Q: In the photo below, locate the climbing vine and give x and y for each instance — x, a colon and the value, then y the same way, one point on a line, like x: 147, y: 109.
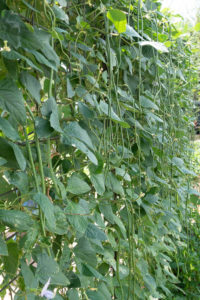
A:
x: 96, y: 117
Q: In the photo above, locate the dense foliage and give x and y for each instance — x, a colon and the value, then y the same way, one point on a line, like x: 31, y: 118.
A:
x: 96, y: 120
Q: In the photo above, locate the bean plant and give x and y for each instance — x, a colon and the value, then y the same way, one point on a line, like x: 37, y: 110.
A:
x: 96, y: 184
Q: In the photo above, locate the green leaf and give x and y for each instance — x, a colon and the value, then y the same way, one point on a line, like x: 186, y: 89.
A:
x: 12, y: 260
x: 106, y: 209
x: 18, y: 179
x: 19, y: 156
x: 42, y: 127
x: 46, y: 206
x: 110, y: 113
x: 72, y: 294
x: 32, y: 85
x: 67, y: 140
x: 114, y: 185
x: 77, y: 218
x: 6, y: 151
x: 158, y: 46
x: 2, y: 161
x: 50, y: 110
x: 28, y: 241
x: 130, y: 32
x: 73, y: 129
x: 95, y: 295
x: 60, y: 14
x: 77, y: 186
x: 70, y: 91
x: 13, y: 55
x: 146, y: 103
x: 85, y: 252
x: 90, y: 271
x: 98, y: 181
x: 11, y: 100
x: 43, y: 60
x: 16, y: 32
x: 85, y: 111
x: 16, y: 219
x: 93, y: 232
x: 29, y: 278
x: 3, y: 247
x: 48, y: 268
x: 8, y: 129
x: 118, y: 18
x: 62, y: 225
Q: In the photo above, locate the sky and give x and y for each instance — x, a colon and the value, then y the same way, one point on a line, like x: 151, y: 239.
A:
x: 186, y: 8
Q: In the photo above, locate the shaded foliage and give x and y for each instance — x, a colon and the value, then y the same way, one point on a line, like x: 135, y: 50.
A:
x: 96, y: 104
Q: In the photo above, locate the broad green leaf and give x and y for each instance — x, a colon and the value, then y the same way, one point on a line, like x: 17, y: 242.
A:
x: 13, y: 55
x: 48, y: 268
x: 28, y: 241
x: 32, y: 85
x: 42, y: 127
x: 7, y: 152
x: 8, y: 129
x: 121, y: 225
x: 3, y: 247
x: 98, y: 181
x: 95, y: 295
x: 118, y: 18
x: 44, y: 40
x: 106, y: 209
x: 50, y: 110
x: 114, y: 185
x: 123, y: 174
x: 19, y: 156
x: 68, y: 140
x: 16, y: 219
x: 2, y: 161
x: 29, y: 278
x: 85, y: 111
x: 146, y: 103
x: 46, y: 206
x: 73, y: 129
x: 72, y: 294
x: 93, y: 232
x: 130, y: 32
x: 103, y: 288
x: 18, y: 179
x: 90, y: 271
x: 70, y: 91
x: 61, y: 226
x: 85, y: 252
x: 158, y: 46
x: 60, y: 14
x: 11, y: 100
x: 12, y: 260
x: 80, y: 57
x: 77, y: 186
x: 43, y: 60
x: 110, y: 113
x: 78, y: 217
x: 16, y: 32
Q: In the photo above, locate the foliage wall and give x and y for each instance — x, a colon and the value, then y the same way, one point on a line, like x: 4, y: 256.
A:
x: 96, y: 201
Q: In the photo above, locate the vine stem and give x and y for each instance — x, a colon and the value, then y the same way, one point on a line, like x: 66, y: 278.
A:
x: 31, y: 160
x: 51, y: 167
x: 41, y: 171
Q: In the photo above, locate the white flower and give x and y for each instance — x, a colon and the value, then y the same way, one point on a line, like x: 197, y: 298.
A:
x: 46, y: 293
